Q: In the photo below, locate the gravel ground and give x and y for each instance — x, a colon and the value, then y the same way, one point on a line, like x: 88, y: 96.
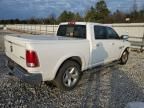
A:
x: 112, y: 86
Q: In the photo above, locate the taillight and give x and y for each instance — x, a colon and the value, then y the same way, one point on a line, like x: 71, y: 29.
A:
x: 32, y: 59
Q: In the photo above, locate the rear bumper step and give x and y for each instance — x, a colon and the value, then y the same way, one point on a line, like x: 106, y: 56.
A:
x: 31, y: 78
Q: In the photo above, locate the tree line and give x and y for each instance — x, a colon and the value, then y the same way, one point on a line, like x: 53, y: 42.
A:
x: 98, y: 13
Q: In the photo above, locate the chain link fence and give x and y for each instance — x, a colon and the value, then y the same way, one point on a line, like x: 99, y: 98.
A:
x: 34, y: 29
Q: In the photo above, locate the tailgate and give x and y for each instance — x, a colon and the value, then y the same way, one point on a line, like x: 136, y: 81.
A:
x: 15, y: 49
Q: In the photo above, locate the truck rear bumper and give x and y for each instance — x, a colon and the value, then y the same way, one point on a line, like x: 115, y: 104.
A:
x: 19, y: 72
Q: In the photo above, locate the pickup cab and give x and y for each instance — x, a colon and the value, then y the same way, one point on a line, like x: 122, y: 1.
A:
x: 77, y: 46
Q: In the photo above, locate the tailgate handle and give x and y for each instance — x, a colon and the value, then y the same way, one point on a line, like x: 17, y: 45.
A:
x: 11, y: 48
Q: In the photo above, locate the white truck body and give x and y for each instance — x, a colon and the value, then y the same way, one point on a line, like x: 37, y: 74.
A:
x: 52, y: 51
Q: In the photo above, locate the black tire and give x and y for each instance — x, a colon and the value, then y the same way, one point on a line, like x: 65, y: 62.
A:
x: 124, y: 57
x: 68, y: 75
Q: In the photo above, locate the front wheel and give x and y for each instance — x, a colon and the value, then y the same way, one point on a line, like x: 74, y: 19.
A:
x: 68, y: 75
x: 124, y: 57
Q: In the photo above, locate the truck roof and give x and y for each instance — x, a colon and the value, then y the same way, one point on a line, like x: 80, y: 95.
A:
x: 85, y: 23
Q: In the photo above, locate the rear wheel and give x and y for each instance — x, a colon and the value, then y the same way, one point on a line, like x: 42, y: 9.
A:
x: 124, y: 57
x: 68, y: 75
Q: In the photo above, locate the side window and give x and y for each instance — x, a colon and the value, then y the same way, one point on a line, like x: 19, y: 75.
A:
x: 62, y: 30
x: 100, y: 32
x: 80, y: 31
x: 111, y: 34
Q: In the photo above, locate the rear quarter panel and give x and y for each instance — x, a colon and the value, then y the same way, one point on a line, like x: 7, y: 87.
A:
x: 53, y: 53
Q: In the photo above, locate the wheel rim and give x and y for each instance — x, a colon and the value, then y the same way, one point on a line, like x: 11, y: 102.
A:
x: 70, y: 76
x: 125, y: 57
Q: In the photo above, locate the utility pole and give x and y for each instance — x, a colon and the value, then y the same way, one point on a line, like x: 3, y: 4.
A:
x: 134, y: 10
x: 135, y: 6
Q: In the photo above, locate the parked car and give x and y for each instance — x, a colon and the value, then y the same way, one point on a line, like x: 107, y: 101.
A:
x: 62, y: 58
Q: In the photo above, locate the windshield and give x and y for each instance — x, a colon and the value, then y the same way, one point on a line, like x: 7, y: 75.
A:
x: 75, y: 31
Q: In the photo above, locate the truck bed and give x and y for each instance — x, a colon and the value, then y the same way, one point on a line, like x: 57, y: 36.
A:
x: 41, y: 37
x: 48, y: 48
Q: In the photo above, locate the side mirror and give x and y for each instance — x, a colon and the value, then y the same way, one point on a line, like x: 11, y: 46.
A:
x: 124, y: 37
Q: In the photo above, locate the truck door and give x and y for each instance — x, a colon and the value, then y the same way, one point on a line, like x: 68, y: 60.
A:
x: 116, y: 43
x: 101, y: 46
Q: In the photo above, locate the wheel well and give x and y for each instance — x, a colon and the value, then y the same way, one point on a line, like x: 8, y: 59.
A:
x: 74, y: 58
x: 127, y: 49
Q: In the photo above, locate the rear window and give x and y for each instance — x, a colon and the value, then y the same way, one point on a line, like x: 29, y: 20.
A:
x: 75, y: 31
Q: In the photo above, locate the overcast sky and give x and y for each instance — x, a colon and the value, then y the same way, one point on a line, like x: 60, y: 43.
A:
x: 42, y: 8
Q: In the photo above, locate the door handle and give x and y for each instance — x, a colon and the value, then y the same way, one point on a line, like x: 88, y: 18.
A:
x: 121, y: 47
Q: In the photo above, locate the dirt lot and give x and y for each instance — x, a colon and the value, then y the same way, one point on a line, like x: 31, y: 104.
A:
x: 111, y: 86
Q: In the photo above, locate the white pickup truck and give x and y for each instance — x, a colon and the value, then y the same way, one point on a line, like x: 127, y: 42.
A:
x: 76, y: 47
